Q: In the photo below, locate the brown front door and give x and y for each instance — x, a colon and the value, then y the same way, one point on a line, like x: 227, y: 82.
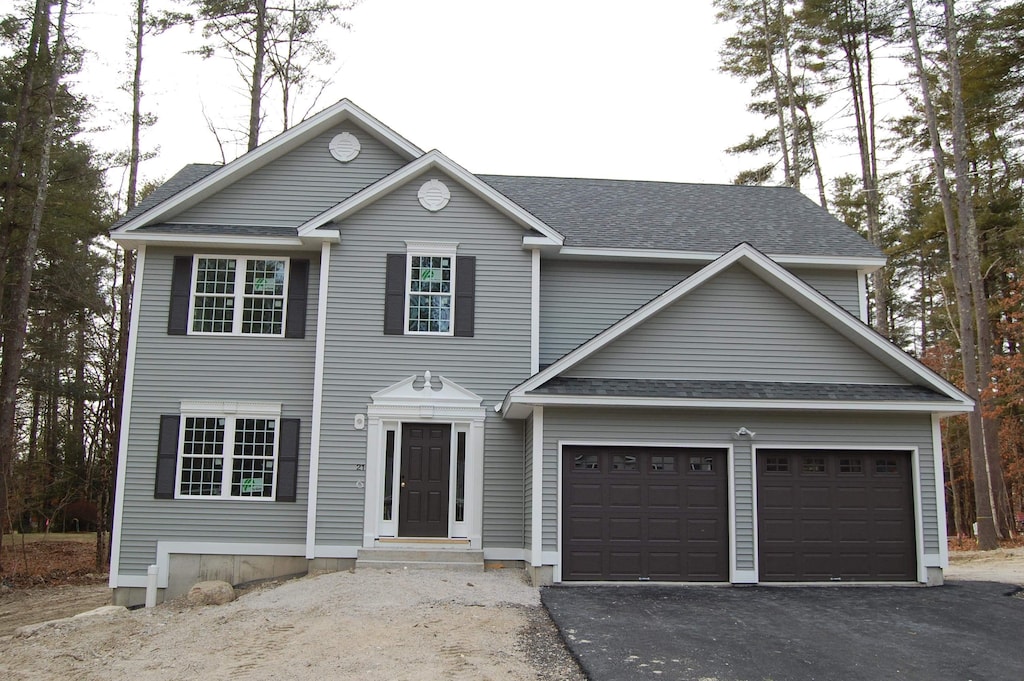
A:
x: 423, y: 500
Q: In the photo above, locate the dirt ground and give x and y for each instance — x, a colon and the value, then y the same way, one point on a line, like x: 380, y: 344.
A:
x: 370, y: 624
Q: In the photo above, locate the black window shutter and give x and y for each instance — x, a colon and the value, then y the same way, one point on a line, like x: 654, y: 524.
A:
x: 465, y: 295
x: 394, y: 295
x: 298, y: 285
x: 288, y: 460
x: 181, y: 287
x: 167, y: 457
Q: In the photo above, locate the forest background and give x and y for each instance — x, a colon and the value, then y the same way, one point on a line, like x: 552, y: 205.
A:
x: 924, y: 99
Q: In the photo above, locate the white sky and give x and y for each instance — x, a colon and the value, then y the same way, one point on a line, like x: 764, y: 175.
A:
x: 587, y: 88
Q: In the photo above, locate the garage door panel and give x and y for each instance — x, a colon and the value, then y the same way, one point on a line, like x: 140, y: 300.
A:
x: 664, y: 529
x: 659, y: 507
x: 845, y: 515
x: 585, y: 494
x: 703, y: 495
x: 664, y: 496
x: 624, y: 529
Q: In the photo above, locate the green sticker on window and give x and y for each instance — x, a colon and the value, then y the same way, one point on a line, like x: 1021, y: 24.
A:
x: 261, y: 284
x: 428, y: 275
x: 250, y: 485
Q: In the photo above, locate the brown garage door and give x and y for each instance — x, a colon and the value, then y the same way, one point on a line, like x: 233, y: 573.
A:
x: 657, y: 514
x: 835, y: 516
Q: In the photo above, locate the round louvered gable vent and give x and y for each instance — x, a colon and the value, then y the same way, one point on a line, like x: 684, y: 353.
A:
x: 434, y: 195
x: 345, y: 147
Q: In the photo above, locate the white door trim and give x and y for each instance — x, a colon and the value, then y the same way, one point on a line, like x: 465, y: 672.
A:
x: 426, y: 399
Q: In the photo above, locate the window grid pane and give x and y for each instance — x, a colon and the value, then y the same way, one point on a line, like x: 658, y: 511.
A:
x: 252, y: 473
x: 264, y: 316
x: 202, y: 461
x: 430, y: 294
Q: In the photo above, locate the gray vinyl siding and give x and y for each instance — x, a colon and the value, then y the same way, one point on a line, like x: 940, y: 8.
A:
x: 298, y: 186
x: 169, y: 369
x: 581, y: 298
x: 841, y: 286
x: 360, y: 360
x: 707, y: 428
x: 736, y: 327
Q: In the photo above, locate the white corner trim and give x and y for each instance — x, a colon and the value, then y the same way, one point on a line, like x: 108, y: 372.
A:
x: 862, y: 294
x: 431, y: 160
x: 537, y: 488
x: 534, y: 311
x: 122, y: 445
x: 318, y: 399
x: 940, y: 492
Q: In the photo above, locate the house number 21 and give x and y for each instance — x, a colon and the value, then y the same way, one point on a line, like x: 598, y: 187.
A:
x: 360, y: 466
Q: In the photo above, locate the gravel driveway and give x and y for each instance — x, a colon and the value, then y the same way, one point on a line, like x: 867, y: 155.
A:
x: 369, y: 624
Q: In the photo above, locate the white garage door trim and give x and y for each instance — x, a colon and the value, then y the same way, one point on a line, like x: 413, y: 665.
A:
x: 915, y: 473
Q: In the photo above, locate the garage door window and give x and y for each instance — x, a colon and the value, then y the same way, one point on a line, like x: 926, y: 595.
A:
x: 813, y: 464
x: 585, y: 462
x: 850, y: 466
x: 776, y: 464
x: 886, y: 466
x: 663, y: 464
x: 704, y: 464
x: 624, y: 463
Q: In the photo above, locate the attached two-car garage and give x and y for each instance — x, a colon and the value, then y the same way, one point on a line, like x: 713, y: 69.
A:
x: 662, y: 514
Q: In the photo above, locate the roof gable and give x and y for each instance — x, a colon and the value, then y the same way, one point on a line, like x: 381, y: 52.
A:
x: 196, y: 183
x: 735, y: 327
x: 785, y: 283
x: 432, y: 160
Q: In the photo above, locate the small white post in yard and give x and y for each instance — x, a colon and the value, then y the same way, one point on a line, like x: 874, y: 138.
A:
x: 151, y: 575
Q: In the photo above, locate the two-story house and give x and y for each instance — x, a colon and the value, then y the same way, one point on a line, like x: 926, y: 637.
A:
x: 347, y: 351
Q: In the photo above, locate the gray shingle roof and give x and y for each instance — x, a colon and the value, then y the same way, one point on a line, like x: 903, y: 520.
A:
x: 687, y: 217
x: 181, y: 180
x: 738, y: 390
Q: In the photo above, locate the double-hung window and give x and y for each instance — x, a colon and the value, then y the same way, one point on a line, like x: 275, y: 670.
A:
x: 238, y: 295
x: 430, y: 291
x: 430, y: 301
x: 228, y: 451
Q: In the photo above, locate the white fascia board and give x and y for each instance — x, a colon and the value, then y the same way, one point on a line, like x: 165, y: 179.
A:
x: 864, y: 264
x: 786, y: 283
x: 699, y: 403
x: 430, y: 161
x: 269, y: 151
x: 135, y: 239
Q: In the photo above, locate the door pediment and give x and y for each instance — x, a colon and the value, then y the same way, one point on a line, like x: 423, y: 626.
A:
x: 426, y: 391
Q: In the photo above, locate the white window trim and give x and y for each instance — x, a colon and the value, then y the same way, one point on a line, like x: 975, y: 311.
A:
x: 239, y: 295
x: 230, y: 412
x: 430, y: 249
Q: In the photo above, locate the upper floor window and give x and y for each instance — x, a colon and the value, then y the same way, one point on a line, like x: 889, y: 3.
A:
x: 238, y: 295
x: 430, y: 305
x: 430, y: 291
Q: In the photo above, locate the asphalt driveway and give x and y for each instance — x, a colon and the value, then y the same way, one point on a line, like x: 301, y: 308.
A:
x: 961, y: 631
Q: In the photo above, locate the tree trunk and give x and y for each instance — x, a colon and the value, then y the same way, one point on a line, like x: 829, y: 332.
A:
x: 987, y: 538
x: 776, y: 86
x: 813, y: 146
x: 794, y: 122
x: 8, y: 223
x: 17, y: 313
x: 970, y: 241
x: 256, y: 86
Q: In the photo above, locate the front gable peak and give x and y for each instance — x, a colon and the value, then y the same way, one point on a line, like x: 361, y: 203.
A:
x: 432, y: 160
x: 211, y: 181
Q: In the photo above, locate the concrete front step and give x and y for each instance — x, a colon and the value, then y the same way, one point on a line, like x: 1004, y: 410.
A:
x: 398, y: 558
